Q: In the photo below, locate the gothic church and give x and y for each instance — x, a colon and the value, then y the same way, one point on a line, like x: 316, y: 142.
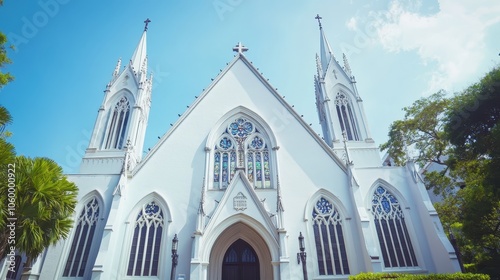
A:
x: 237, y: 192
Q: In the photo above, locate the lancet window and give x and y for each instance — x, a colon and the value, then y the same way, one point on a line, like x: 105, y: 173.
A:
x: 145, y: 250
x: 242, y: 146
x: 395, y: 243
x: 82, y: 240
x: 346, y: 117
x: 118, y: 124
x: 329, y: 239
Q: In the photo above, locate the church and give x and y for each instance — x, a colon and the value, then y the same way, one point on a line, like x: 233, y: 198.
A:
x: 241, y: 187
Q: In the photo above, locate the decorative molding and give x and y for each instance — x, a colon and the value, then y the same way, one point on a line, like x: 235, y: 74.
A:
x: 240, y: 202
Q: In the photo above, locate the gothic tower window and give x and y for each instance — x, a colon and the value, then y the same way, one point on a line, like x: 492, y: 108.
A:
x: 145, y: 249
x: 82, y: 240
x: 118, y: 124
x: 329, y: 239
x: 395, y: 243
x: 346, y: 117
x: 242, y: 146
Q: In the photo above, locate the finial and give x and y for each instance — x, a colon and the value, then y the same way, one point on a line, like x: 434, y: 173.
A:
x: 347, y: 67
x: 201, y: 209
x: 147, y: 21
x: 348, y: 159
x: 319, y: 20
x: 279, y: 203
x: 117, y: 68
x: 240, y: 48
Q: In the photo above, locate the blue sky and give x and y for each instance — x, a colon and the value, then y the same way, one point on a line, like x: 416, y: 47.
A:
x: 66, y: 51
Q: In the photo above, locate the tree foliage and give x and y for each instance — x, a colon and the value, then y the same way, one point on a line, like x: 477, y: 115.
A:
x: 460, y: 137
x: 422, y: 130
x: 44, y: 203
x: 4, y: 60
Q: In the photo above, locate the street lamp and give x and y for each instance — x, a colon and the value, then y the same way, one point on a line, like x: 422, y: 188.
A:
x: 453, y: 242
x: 301, y: 256
x: 175, y: 256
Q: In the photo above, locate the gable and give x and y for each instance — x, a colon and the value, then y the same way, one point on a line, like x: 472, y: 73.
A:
x: 241, y: 86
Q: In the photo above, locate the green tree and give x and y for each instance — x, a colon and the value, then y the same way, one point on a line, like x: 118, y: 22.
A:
x: 45, y: 201
x: 461, y: 135
x: 422, y: 130
x: 4, y: 60
x: 473, y: 129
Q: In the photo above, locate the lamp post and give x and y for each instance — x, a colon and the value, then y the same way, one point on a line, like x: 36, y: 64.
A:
x: 453, y: 242
x: 175, y: 256
x: 301, y: 257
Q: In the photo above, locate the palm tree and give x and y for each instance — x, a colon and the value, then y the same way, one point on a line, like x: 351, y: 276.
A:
x: 45, y: 201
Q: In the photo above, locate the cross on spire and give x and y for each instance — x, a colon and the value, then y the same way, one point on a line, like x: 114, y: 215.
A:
x: 147, y: 21
x: 319, y: 20
x: 240, y: 48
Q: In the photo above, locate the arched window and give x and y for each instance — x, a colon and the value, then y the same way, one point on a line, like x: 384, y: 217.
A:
x: 145, y: 249
x: 118, y: 124
x: 82, y: 240
x: 395, y: 243
x: 242, y: 146
x: 346, y: 117
x: 329, y: 239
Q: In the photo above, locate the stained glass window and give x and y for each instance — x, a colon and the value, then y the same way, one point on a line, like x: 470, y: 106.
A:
x: 346, y: 117
x: 145, y: 250
x: 395, y: 243
x: 224, y: 161
x: 329, y: 239
x: 118, y: 124
x: 242, y: 146
x: 82, y: 240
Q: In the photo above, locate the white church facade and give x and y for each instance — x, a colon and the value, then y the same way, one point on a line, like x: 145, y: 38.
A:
x: 236, y: 185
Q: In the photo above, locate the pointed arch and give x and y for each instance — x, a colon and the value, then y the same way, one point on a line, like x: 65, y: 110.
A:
x: 347, y: 116
x: 388, y: 208
x: 241, y: 139
x: 330, y: 232
x: 242, y: 227
x: 86, y: 236
x: 120, y: 110
x: 149, y: 226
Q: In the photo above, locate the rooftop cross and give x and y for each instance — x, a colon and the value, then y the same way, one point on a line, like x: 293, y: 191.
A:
x: 147, y: 21
x: 319, y: 19
x: 240, y: 48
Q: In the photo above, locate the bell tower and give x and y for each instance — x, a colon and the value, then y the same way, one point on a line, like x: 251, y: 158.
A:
x: 340, y: 108
x: 122, y: 118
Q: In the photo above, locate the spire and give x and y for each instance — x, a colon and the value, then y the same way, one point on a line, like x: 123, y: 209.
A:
x: 139, y: 58
x: 325, y: 50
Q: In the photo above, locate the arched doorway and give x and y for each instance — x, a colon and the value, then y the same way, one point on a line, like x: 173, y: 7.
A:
x: 233, y: 235
x: 240, y: 262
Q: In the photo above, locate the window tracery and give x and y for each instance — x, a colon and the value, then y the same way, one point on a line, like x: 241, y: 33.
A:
x: 82, y: 240
x: 394, y: 239
x: 145, y: 249
x: 346, y: 117
x: 243, y: 147
x: 329, y: 239
x: 118, y: 124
